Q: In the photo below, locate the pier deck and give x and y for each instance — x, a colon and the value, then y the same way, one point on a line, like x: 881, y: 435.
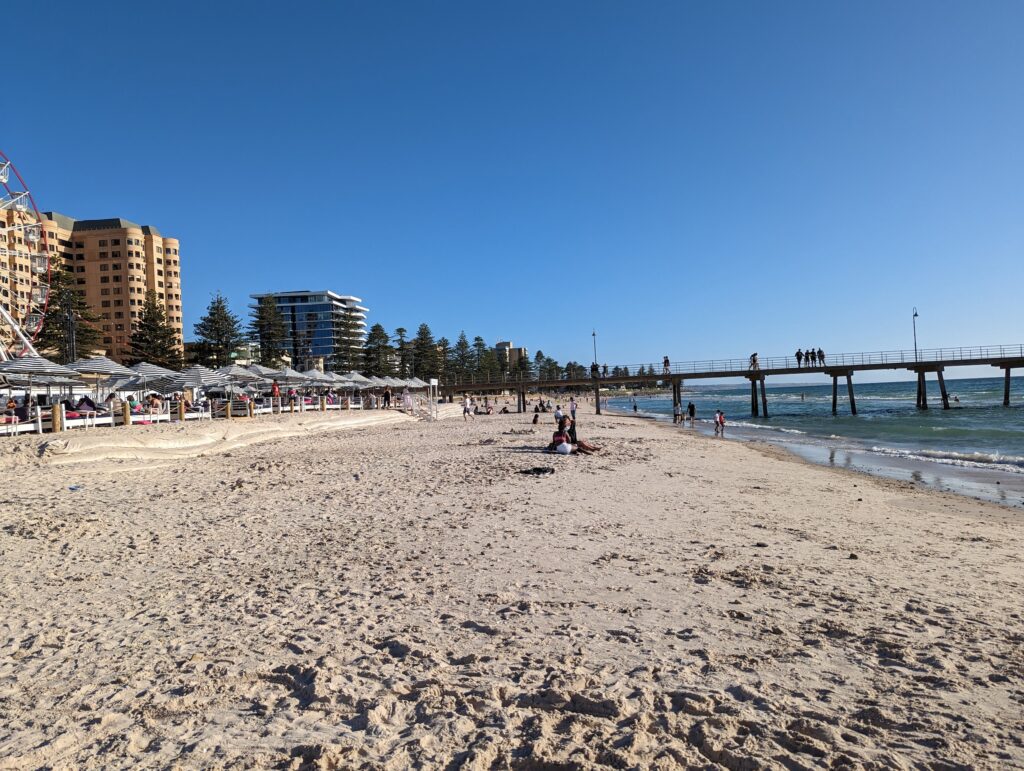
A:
x: 921, y: 361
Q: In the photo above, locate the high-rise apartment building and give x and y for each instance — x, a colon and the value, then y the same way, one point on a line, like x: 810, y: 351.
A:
x: 114, y: 263
x: 314, y: 324
x: 510, y: 354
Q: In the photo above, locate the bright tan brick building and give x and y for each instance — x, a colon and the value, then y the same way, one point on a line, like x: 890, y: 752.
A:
x: 115, y: 262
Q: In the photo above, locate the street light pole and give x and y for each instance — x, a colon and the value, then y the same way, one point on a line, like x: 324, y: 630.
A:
x: 594, y: 335
x: 914, y: 320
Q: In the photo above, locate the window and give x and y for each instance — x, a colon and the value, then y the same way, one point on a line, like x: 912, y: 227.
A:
x: 118, y: 303
x: 80, y: 269
x: 115, y: 254
x: 104, y: 291
x: 103, y: 255
x: 117, y: 290
x: 104, y: 266
x: 104, y: 279
x: 79, y: 245
x: 103, y: 242
x: 115, y: 241
x: 134, y: 315
x: 108, y: 340
x: 106, y: 327
x: 118, y: 314
x: 79, y: 256
x: 106, y: 303
x: 119, y: 327
x: 80, y: 281
x: 116, y: 278
x: 117, y: 266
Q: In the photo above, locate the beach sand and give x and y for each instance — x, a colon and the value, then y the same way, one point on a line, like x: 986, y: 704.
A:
x: 398, y: 595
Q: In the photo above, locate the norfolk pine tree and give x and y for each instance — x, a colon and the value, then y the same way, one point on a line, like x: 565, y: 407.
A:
x: 153, y: 339
x: 267, y: 328
x: 219, y: 332
x: 53, y: 336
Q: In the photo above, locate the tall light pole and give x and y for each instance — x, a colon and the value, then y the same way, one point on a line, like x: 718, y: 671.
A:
x: 594, y: 335
x: 914, y: 320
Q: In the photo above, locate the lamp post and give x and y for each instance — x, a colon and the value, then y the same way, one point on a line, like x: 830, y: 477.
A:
x: 594, y: 335
x: 914, y: 320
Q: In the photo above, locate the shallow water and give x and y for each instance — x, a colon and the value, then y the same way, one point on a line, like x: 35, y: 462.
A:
x: 976, y: 447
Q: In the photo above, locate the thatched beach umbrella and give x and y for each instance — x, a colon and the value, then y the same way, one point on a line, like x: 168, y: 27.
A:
x: 37, y: 367
x: 240, y: 374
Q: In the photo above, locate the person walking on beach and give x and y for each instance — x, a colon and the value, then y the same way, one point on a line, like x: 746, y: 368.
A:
x: 572, y: 407
x: 799, y: 357
x: 387, y: 398
x: 691, y: 412
x: 467, y: 409
x: 718, y: 422
x: 677, y: 413
x: 558, y: 413
x: 721, y: 423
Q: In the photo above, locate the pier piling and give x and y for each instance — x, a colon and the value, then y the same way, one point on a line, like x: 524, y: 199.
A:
x: 764, y: 399
x: 942, y: 390
x: 1006, y: 387
x: 835, y: 392
x: 753, y: 398
x: 849, y: 390
x: 597, y: 394
x: 922, y: 391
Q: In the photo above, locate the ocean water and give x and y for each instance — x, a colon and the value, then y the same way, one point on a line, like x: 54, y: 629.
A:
x: 977, y: 436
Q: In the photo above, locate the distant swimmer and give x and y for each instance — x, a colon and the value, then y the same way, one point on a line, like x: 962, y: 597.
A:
x: 956, y: 399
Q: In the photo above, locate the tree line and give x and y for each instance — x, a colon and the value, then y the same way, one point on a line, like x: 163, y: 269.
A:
x: 220, y: 333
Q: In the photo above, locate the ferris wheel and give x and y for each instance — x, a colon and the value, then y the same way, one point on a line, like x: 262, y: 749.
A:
x: 24, y: 265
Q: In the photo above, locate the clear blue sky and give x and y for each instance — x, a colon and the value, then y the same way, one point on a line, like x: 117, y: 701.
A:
x: 696, y: 179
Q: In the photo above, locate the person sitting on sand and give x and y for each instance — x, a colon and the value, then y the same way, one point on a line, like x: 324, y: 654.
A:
x: 584, y: 447
x: 504, y: 411
x: 536, y: 418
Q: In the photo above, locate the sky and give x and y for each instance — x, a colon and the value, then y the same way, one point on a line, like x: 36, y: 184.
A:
x: 692, y: 179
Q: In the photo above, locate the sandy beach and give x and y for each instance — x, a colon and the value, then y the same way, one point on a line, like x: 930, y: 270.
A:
x: 363, y: 594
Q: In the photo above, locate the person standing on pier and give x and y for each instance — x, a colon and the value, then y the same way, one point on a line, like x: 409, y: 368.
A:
x: 753, y: 361
x: 799, y: 357
x: 821, y: 358
x: 666, y: 366
x: 810, y: 357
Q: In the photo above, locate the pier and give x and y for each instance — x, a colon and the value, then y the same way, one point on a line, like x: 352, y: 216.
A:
x: 923, y: 362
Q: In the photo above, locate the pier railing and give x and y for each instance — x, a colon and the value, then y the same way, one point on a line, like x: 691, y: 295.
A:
x: 894, y: 358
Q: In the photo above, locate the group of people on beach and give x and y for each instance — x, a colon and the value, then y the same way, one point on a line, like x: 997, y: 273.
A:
x: 811, y: 357
x: 679, y: 415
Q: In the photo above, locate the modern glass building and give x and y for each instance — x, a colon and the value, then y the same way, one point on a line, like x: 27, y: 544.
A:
x: 312, y: 320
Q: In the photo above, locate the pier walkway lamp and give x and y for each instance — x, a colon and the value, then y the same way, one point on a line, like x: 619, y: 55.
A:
x: 594, y: 335
x: 914, y: 320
